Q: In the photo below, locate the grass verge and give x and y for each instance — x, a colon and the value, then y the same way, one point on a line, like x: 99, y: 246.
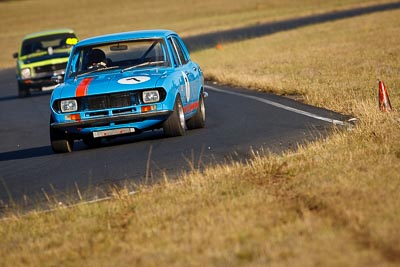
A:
x: 91, y: 18
x: 330, y: 203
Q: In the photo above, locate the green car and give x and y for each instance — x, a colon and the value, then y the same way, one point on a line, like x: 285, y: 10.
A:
x: 41, y: 56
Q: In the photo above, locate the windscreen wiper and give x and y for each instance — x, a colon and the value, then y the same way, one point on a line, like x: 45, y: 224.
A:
x: 97, y: 70
x: 148, y: 63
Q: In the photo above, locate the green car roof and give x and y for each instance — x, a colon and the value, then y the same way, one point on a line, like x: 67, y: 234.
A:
x: 49, y: 32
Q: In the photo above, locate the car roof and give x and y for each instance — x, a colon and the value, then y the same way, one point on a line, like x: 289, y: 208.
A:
x: 123, y: 36
x: 48, y: 32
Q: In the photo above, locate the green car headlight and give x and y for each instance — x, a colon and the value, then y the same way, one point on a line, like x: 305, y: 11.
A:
x: 151, y: 96
x: 69, y: 105
x: 26, y: 73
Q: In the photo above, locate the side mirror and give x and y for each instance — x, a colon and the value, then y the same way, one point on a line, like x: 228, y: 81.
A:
x: 15, y: 55
x: 71, y: 41
x: 57, y: 78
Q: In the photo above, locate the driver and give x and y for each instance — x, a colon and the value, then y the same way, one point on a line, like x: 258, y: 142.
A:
x: 96, y: 58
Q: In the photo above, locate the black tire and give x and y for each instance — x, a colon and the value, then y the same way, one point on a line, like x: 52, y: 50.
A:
x: 23, y: 90
x: 175, y: 124
x: 199, y: 119
x: 91, y: 142
x: 60, y: 141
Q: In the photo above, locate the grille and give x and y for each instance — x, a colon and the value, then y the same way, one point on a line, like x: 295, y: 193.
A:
x: 50, y: 68
x: 118, y: 100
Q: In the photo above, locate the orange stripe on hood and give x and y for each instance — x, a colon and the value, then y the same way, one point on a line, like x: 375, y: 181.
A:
x: 82, y: 88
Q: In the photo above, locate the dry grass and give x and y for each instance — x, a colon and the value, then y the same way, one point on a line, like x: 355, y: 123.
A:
x: 330, y: 203
x: 323, y: 205
x: 90, y: 18
x: 339, y: 60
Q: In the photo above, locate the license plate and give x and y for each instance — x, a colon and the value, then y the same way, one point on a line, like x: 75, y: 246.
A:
x: 113, y: 132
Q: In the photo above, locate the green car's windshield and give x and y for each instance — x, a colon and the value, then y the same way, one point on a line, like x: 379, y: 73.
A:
x: 47, y: 42
x: 123, y: 55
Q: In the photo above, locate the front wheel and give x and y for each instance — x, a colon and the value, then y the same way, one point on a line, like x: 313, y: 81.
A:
x: 60, y: 141
x: 175, y: 124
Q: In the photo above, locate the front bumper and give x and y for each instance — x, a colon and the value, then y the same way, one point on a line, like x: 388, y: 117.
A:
x: 116, y: 119
x: 42, y: 80
x: 38, y: 83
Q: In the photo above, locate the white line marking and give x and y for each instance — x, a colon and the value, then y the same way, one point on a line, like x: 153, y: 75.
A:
x: 275, y: 104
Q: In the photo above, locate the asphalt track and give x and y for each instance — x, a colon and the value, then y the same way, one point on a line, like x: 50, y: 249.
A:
x: 208, y: 40
x: 239, y: 122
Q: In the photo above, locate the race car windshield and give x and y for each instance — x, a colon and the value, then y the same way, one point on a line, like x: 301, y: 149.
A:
x: 43, y: 43
x: 122, y: 55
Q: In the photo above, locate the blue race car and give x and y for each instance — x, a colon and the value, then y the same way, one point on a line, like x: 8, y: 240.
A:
x: 126, y: 83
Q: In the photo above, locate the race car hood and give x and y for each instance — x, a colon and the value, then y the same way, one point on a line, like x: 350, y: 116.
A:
x: 38, y: 58
x: 106, y: 82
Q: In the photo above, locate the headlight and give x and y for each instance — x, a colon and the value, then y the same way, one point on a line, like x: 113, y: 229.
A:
x: 69, y: 105
x: 151, y: 96
x: 26, y: 73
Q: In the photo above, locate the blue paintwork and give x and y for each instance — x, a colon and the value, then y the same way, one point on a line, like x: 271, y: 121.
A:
x: 171, y: 78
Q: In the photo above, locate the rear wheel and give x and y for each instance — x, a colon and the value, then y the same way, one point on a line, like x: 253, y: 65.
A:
x: 199, y: 119
x: 175, y: 124
x: 60, y: 141
x: 23, y: 90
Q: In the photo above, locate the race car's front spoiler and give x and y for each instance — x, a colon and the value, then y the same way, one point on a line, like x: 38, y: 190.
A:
x: 127, y: 118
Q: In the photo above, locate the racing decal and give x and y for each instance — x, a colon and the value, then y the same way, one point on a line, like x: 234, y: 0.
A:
x: 187, y: 86
x: 82, y: 88
x: 134, y: 80
x: 189, y: 108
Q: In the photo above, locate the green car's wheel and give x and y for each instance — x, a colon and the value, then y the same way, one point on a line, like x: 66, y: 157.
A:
x: 23, y: 90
